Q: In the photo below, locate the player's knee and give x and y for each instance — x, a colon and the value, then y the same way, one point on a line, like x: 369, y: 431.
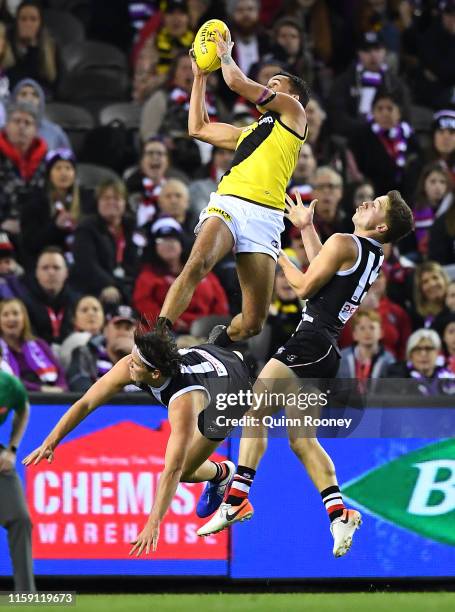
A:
x: 300, y: 447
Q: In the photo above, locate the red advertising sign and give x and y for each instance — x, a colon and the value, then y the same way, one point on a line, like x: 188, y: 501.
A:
x: 94, y: 499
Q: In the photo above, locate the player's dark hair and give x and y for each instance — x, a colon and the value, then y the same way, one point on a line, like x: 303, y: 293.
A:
x: 158, y: 347
x: 399, y: 218
x: 298, y: 87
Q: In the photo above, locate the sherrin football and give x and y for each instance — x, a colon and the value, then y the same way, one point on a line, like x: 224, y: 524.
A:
x: 204, y: 45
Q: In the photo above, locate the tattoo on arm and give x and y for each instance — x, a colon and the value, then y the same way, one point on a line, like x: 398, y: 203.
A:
x: 226, y: 58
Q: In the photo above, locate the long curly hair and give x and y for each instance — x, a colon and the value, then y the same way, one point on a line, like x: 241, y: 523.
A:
x: 159, y: 348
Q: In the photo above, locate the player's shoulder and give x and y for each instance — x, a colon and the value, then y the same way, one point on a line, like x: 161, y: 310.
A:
x: 341, y: 239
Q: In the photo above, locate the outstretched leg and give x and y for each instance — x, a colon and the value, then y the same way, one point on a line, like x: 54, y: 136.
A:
x: 213, y: 242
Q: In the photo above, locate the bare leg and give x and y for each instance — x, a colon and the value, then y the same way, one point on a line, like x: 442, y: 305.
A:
x: 274, y: 377
x: 317, y: 462
x: 196, y: 467
x: 212, y: 243
x: 256, y: 275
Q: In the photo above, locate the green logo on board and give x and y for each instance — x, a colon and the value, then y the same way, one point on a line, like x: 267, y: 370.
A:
x: 415, y: 491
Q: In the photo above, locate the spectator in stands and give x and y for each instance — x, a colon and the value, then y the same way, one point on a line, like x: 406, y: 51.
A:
x: 145, y: 182
x: 50, y: 216
x: 166, y: 111
x: 28, y: 90
x: 357, y: 193
x: 101, y: 352
x: 49, y: 298
x: 250, y: 40
x: 285, y: 311
x: 88, y: 321
x: 385, y: 147
x: 434, y: 197
x: 443, y: 142
x: 399, y: 272
x: 11, y: 284
x: 328, y: 190
x: 6, y: 61
x: 105, y: 256
x: 33, y: 48
x: 395, y: 322
x: 447, y: 334
x: 22, y: 162
x: 201, y: 189
x: 441, y: 242
x: 296, y: 248
x: 367, y: 358
x: 325, y: 34
x: 436, y: 49
x: 174, y: 201
x: 329, y: 149
x: 163, y: 264
x: 30, y: 358
x: 303, y: 176
x: 380, y: 15
x: 175, y: 35
x: 426, y: 377
x: 430, y: 290
x: 288, y: 47
x: 353, y: 91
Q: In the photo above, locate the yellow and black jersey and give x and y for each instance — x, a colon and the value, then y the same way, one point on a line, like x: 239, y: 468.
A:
x: 264, y: 160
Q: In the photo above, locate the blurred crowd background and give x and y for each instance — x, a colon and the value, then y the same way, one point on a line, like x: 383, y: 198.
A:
x: 101, y: 186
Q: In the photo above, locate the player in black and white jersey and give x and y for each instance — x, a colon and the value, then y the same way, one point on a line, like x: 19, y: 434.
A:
x: 340, y: 273
x: 189, y: 382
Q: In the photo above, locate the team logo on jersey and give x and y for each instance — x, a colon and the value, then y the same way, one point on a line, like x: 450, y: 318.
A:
x: 291, y: 358
x: 275, y: 244
x: 415, y: 491
x: 214, y: 210
x: 347, y: 310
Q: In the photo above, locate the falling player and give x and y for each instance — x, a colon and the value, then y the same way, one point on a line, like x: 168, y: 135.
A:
x: 187, y: 381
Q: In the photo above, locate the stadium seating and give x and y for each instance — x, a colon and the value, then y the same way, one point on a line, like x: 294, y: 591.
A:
x: 76, y: 122
x: 91, y: 175
x: 64, y: 27
x: 202, y: 327
x: 128, y: 113
x: 93, y: 70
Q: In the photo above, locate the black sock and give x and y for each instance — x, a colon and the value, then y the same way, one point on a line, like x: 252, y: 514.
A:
x: 221, y: 472
x: 333, y: 502
x: 240, y: 486
x: 223, y: 340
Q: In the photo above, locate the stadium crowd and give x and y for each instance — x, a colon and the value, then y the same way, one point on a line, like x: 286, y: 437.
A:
x: 101, y: 186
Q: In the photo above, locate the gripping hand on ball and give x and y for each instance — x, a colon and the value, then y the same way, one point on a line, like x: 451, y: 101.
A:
x: 223, y: 46
x: 197, y: 72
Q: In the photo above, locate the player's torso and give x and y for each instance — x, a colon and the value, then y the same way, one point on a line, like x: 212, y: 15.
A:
x: 206, y: 368
x: 334, y: 304
x: 264, y: 160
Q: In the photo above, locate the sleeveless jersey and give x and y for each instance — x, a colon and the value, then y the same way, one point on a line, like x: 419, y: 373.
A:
x: 331, y: 307
x: 264, y: 160
x: 206, y: 367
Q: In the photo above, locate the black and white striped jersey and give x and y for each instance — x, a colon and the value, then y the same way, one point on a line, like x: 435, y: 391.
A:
x: 206, y: 367
x: 335, y: 303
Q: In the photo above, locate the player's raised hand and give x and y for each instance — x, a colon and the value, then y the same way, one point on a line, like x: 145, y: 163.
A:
x: 299, y: 215
x: 223, y: 45
x: 197, y: 72
x: 45, y: 451
x: 148, y: 538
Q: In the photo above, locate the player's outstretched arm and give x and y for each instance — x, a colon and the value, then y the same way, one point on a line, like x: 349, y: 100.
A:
x: 292, y: 112
x: 199, y: 126
x: 182, y: 418
x: 338, y: 253
x: 301, y: 216
x: 105, y: 388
